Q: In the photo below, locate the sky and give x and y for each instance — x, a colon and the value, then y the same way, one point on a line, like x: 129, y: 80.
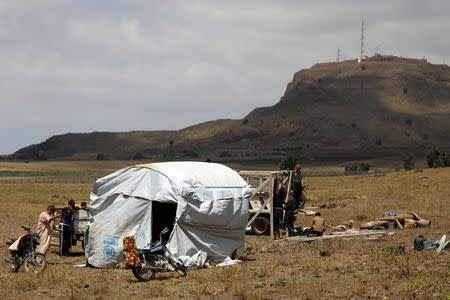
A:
x: 84, y: 66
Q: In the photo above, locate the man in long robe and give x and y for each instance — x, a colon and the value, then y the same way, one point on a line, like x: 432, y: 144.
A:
x: 44, y: 228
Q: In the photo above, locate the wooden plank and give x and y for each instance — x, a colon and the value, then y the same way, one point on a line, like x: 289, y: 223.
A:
x: 256, y: 173
x: 288, y: 187
x: 344, y: 234
x: 258, y: 212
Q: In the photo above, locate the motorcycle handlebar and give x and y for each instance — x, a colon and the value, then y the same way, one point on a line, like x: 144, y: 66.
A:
x: 26, y: 228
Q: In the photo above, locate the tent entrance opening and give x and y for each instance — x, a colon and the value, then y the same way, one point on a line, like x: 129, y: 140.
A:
x: 163, y: 215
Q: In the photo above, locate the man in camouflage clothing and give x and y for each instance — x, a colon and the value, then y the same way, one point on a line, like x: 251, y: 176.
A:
x: 297, y: 186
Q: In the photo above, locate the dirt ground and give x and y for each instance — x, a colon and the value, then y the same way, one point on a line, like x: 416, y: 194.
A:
x: 282, y: 269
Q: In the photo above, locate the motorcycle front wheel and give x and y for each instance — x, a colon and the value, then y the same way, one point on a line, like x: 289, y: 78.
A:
x: 176, y: 264
x: 15, y: 267
x: 142, y: 274
x: 35, y: 263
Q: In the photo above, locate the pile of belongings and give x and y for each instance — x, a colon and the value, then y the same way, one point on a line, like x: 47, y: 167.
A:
x: 392, y: 220
x: 130, y: 253
x: 420, y: 243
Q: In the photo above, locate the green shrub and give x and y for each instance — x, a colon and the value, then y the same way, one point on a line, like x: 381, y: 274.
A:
x: 225, y: 154
x: 351, y: 168
x: 365, y: 166
x: 358, y: 168
x: 288, y: 163
x: 138, y: 156
x: 436, y: 159
x: 408, y: 161
x: 100, y: 156
x: 188, y: 153
x: 445, y: 158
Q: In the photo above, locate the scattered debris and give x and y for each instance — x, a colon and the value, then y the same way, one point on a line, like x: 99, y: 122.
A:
x: 306, y: 212
x: 344, y: 227
x: 237, y: 254
x: 392, y: 220
x: 420, y: 243
x: 442, y: 244
x: 210, y: 263
x: 249, y: 249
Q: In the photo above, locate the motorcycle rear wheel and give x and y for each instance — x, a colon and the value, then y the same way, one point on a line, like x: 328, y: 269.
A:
x: 143, y: 275
x: 35, y: 263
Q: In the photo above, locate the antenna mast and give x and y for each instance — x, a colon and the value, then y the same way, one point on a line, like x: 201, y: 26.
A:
x: 362, y: 39
x: 362, y: 55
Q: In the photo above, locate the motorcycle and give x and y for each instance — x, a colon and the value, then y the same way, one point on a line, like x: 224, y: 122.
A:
x: 23, y: 252
x: 157, y: 259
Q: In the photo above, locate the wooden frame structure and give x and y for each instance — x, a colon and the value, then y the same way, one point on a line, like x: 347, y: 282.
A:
x: 262, y: 184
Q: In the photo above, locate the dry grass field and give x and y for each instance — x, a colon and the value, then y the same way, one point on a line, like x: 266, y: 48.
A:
x: 282, y: 269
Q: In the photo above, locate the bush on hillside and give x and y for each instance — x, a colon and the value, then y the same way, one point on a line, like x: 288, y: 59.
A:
x: 138, y: 156
x: 225, y: 154
x: 408, y: 161
x: 100, y: 156
x: 358, y: 168
x: 288, y: 163
x: 436, y: 159
x: 365, y: 166
x: 445, y: 159
x: 188, y: 153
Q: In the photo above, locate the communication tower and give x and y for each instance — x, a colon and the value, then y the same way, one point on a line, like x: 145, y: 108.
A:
x: 363, y: 55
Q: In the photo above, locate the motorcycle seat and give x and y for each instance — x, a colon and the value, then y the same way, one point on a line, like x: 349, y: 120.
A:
x: 16, y: 245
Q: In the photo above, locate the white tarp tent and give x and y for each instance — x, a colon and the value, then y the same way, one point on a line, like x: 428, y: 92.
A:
x: 211, y: 211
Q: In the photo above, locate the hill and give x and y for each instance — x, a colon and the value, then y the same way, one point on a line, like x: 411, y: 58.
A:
x: 383, y: 105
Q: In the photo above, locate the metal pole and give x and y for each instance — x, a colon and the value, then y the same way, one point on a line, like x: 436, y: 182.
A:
x: 271, y: 205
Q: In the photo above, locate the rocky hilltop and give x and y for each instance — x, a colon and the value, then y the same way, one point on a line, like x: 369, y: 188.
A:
x: 384, y: 104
